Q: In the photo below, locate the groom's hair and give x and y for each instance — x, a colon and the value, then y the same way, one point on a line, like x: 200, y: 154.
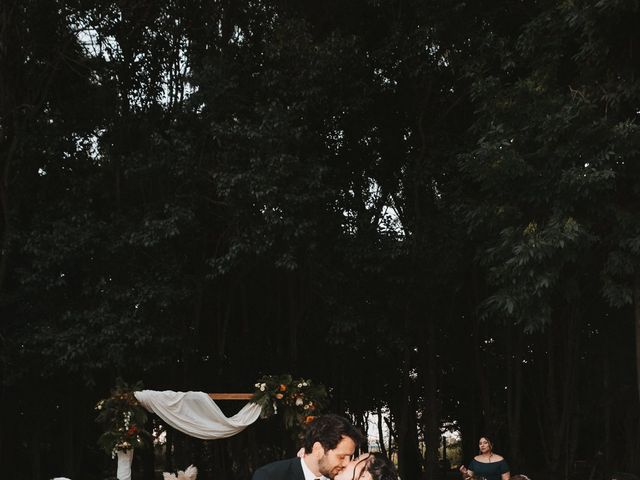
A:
x: 329, y: 431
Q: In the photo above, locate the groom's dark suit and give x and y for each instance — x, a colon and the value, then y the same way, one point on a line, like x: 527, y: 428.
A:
x: 289, y: 469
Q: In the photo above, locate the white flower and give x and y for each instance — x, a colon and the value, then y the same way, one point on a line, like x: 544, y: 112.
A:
x: 299, y: 385
x: 257, y: 385
x: 304, y: 384
x: 263, y: 387
x: 306, y: 407
x: 275, y: 408
x: 299, y: 401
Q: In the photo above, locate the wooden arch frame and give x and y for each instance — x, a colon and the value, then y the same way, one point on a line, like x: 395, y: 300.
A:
x: 231, y: 396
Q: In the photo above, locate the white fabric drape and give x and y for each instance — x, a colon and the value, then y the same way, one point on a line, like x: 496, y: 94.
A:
x: 196, y: 414
x: 193, y: 413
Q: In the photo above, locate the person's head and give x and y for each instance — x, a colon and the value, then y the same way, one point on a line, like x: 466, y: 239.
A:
x: 520, y: 477
x: 369, y: 466
x: 329, y: 443
x: 485, y: 445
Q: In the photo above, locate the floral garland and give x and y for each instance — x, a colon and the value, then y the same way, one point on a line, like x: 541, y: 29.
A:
x: 123, y: 419
x: 299, y: 400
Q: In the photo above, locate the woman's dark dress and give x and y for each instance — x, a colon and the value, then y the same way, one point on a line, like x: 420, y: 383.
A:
x: 490, y: 471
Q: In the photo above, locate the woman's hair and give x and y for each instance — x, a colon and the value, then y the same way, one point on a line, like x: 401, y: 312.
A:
x: 380, y: 467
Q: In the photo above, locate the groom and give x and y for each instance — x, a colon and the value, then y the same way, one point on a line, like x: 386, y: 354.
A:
x: 329, y: 443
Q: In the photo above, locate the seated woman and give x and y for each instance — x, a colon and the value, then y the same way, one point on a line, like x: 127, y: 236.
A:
x: 369, y: 466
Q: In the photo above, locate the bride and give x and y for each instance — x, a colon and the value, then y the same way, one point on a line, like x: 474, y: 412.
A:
x: 369, y: 466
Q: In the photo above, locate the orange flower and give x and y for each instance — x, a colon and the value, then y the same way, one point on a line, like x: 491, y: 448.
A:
x: 283, y: 387
x: 309, y: 419
x: 279, y: 396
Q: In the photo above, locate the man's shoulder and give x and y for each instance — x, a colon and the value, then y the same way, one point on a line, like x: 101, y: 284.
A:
x: 279, y: 464
x: 276, y: 470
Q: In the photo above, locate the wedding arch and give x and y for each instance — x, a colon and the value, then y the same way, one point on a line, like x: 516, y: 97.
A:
x: 197, y: 414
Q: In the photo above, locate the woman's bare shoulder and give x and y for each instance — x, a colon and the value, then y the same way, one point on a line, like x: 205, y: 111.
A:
x: 494, y: 458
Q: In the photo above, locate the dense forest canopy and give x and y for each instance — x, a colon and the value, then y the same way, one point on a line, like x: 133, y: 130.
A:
x: 430, y: 207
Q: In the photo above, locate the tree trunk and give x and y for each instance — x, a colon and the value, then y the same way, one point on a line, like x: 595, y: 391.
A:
x: 555, y: 407
x: 168, y: 450
x: 9, y: 53
x: 470, y: 421
x: 293, y: 320
x: 6, y: 230
x: 514, y: 393
x: 483, y: 381
x: 364, y: 427
x: 408, y: 464
x: 393, y: 434
x: 69, y: 437
x: 383, y: 448
x: 35, y: 454
x: 432, y: 412
x: 636, y: 301
x: 606, y: 398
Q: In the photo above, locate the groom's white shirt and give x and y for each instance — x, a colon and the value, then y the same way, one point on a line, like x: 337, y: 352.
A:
x: 308, y: 474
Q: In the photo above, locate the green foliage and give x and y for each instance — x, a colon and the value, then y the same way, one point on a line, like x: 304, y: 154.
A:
x: 123, y: 420
x: 297, y: 400
x: 528, y: 266
x: 551, y: 160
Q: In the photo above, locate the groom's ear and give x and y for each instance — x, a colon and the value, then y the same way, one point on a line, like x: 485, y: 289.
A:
x: 317, y: 450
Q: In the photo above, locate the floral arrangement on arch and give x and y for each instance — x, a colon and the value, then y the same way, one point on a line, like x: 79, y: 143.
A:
x: 299, y: 400
x: 123, y: 419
